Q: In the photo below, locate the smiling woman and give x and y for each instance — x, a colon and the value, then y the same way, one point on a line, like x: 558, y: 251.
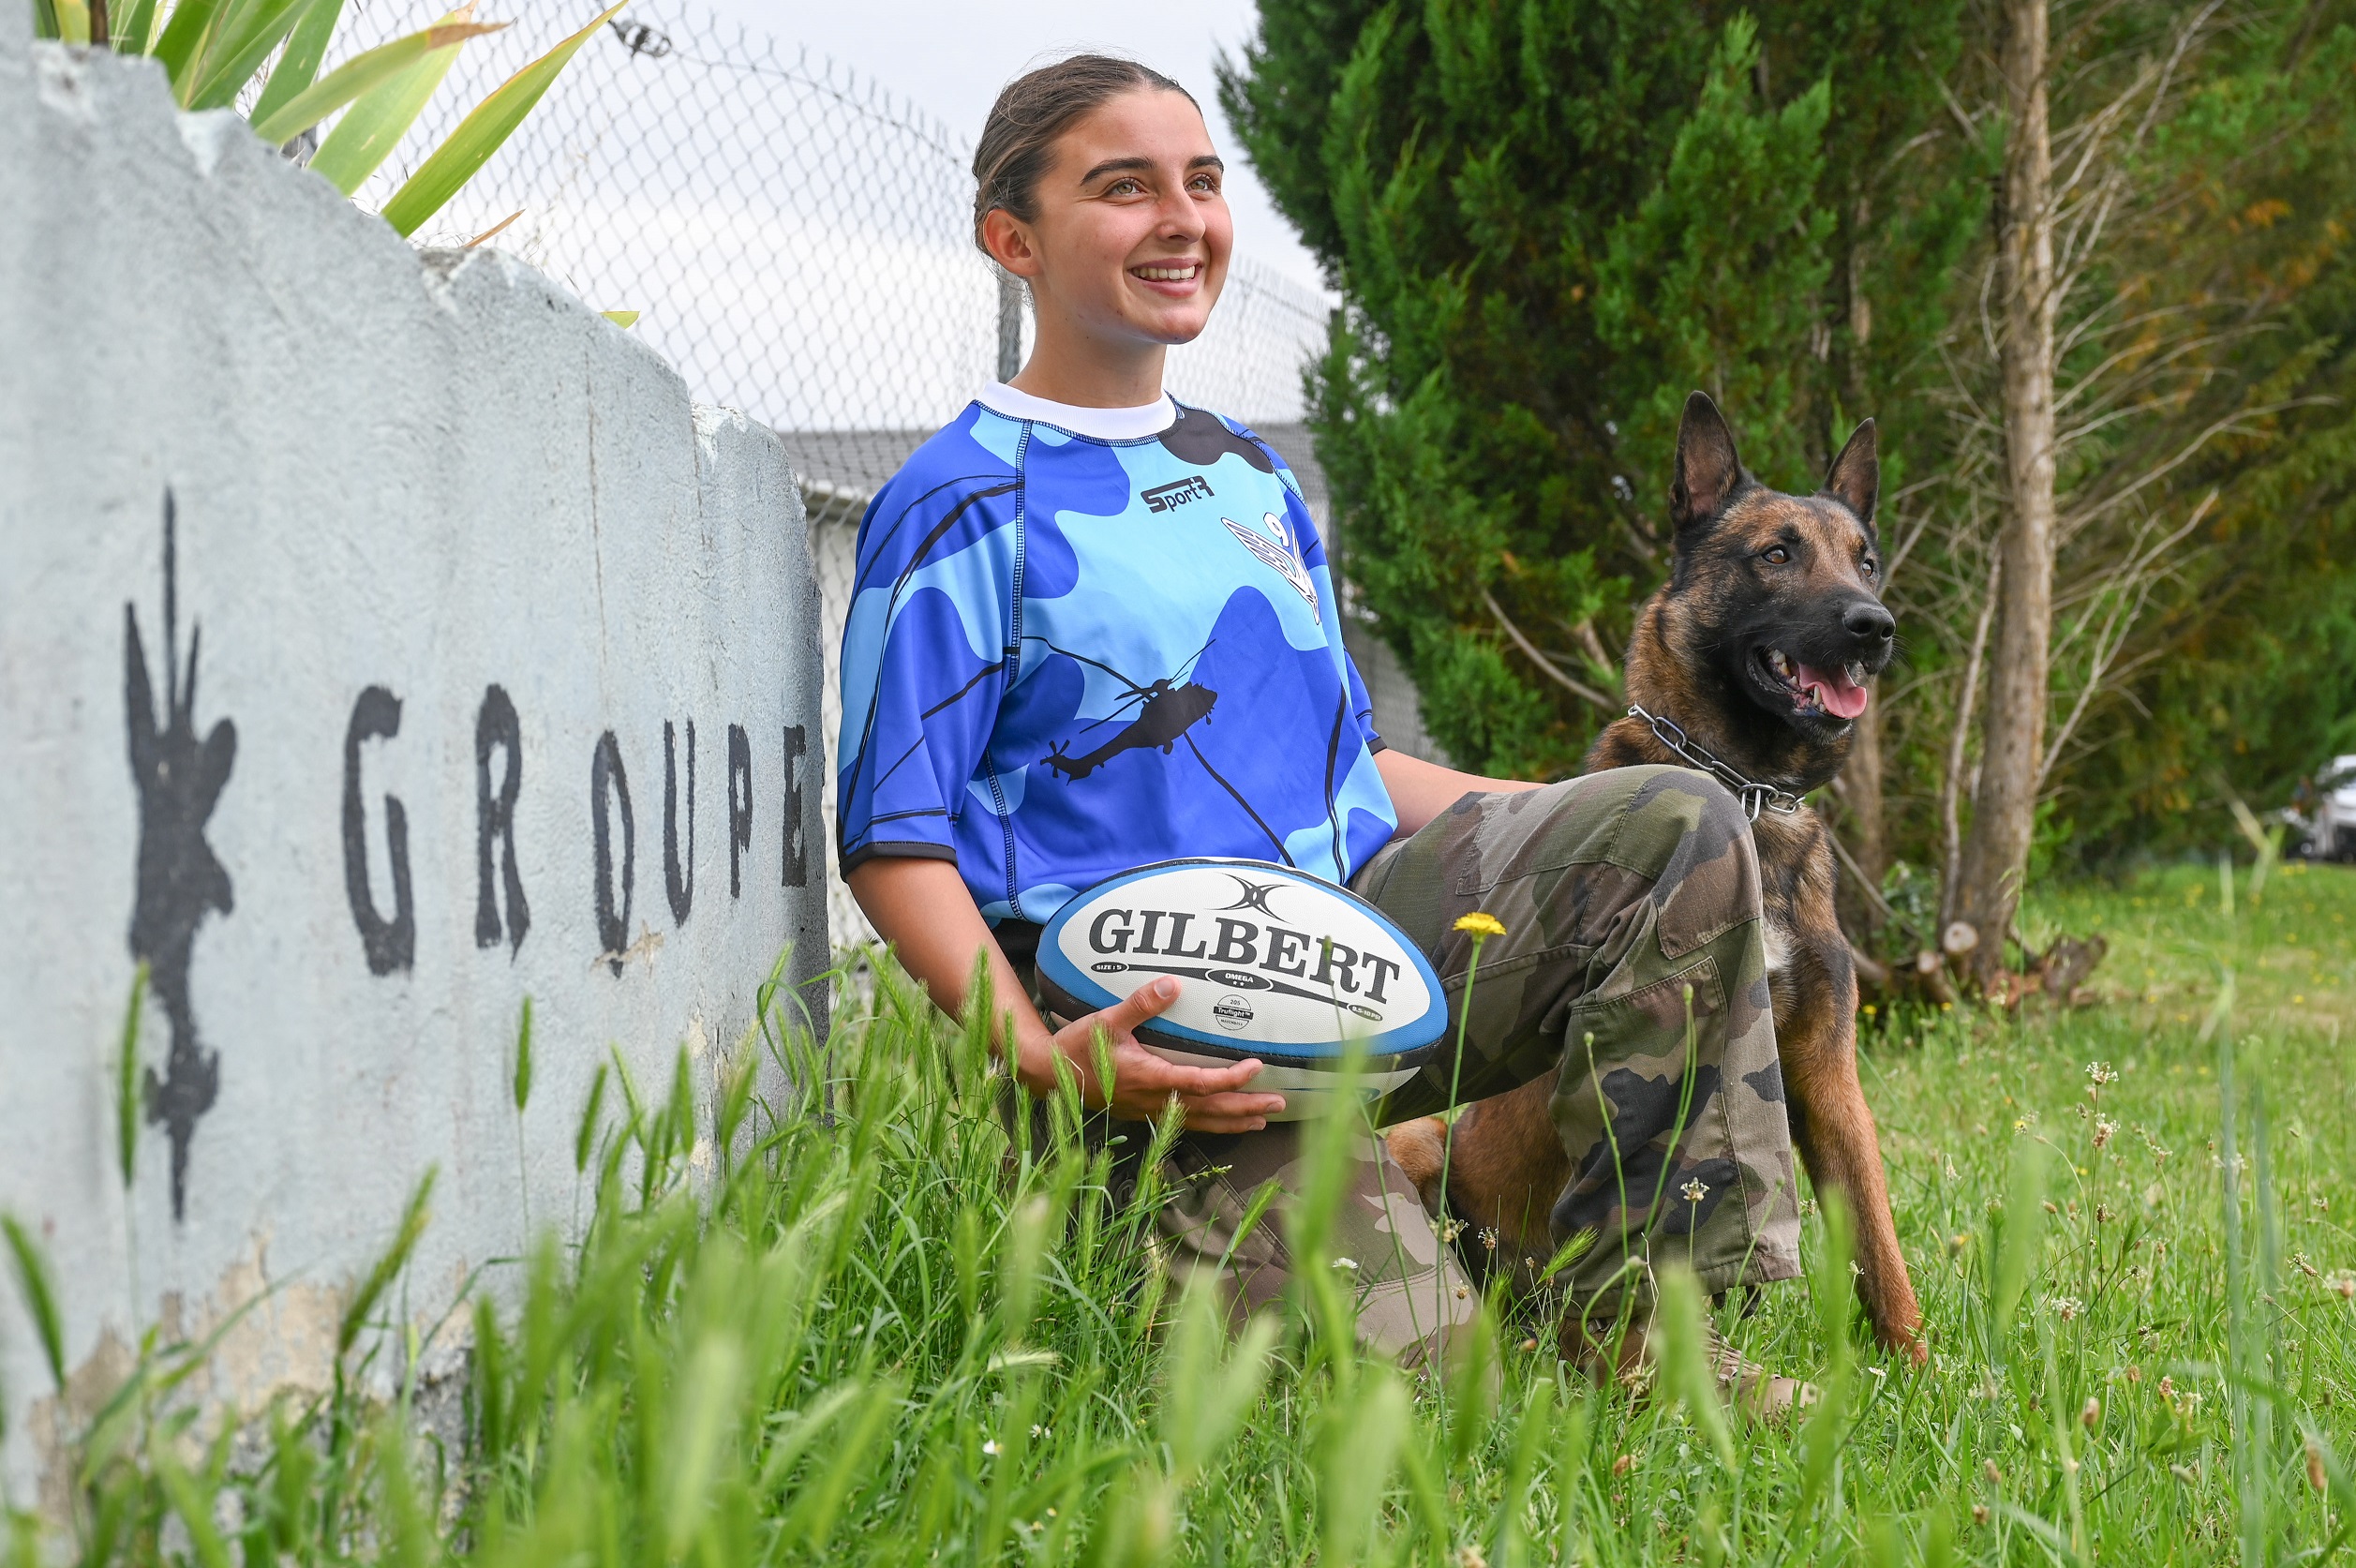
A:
x: 1093, y: 630
x: 1102, y: 172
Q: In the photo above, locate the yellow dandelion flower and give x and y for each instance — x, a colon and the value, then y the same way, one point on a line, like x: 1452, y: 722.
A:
x: 1481, y: 924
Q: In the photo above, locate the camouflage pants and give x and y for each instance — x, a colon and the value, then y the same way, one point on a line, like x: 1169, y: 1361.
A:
x: 1631, y: 972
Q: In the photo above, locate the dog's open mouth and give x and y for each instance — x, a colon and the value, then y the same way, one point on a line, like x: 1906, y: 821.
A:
x: 1839, y: 692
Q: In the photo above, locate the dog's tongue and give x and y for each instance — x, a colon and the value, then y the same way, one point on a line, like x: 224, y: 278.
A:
x: 1836, y: 693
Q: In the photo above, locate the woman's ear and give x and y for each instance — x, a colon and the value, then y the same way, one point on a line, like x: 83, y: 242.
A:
x: 1010, y: 242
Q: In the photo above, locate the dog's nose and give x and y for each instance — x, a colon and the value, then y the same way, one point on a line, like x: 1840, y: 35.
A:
x: 1869, y: 622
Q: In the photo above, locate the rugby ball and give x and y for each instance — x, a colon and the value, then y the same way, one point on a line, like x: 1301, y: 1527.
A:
x: 1273, y: 963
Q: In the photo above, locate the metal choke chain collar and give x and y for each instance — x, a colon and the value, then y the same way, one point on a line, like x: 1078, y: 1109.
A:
x: 1753, y: 795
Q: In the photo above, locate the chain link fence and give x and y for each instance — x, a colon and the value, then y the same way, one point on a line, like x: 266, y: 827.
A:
x: 794, y: 238
x: 796, y: 242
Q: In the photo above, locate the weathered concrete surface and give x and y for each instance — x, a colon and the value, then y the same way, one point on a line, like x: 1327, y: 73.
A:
x: 315, y: 555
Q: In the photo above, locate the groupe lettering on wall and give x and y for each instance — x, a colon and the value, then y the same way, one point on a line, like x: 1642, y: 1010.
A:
x: 498, y: 729
x: 180, y: 778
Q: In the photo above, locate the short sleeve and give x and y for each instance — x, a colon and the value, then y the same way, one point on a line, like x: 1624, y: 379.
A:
x: 1361, y: 702
x: 923, y: 656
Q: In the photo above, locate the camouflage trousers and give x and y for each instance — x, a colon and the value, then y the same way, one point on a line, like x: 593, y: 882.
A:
x: 1633, y: 975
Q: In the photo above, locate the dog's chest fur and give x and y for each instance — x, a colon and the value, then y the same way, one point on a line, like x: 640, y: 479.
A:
x: 1795, y: 876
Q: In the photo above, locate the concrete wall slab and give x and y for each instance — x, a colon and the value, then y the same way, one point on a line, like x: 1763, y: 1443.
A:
x: 383, y: 640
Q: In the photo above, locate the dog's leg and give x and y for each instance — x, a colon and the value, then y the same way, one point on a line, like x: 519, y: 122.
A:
x: 1419, y: 1149
x: 1507, y: 1170
x: 1835, y: 1131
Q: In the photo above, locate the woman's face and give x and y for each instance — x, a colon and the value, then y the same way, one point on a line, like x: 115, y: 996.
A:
x: 1133, y: 233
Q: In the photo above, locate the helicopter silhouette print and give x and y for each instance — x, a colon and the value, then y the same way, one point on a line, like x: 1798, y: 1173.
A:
x: 1172, y: 707
x: 1167, y: 709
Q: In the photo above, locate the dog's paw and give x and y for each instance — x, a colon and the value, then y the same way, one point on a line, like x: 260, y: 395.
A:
x: 1905, y: 1335
x: 1420, y: 1148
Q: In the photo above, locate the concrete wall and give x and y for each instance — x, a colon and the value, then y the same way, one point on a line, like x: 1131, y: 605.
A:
x: 383, y: 640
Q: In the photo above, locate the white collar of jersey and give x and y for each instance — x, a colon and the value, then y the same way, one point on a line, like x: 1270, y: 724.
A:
x: 1104, y: 425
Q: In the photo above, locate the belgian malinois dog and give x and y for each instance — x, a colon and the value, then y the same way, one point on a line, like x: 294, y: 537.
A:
x: 1755, y: 656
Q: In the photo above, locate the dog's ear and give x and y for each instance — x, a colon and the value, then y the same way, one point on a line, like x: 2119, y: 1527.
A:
x: 1855, y: 478
x: 1708, y: 469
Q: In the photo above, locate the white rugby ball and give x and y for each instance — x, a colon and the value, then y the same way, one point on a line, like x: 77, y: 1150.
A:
x: 1273, y: 963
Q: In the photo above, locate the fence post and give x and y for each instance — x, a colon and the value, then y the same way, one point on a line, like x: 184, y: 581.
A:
x: 1009, y: 325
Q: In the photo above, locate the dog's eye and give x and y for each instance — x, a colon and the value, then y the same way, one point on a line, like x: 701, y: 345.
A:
x: 1871, y: 566
x: 1776, y: 555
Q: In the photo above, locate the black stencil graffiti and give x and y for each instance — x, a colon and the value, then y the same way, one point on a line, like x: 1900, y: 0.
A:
x: 609, y: 787
x: 739, y: 806
x: 496, y: 728
x: 796, y: 867
x: 679, y: 878
x: 179, y: 779
x: 392, y: 943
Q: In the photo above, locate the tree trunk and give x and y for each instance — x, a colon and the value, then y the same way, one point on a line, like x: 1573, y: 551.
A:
x: 1958, y: 746
x: 2005, y: 805
x: 1861, y: 807
x: 1861, y: 802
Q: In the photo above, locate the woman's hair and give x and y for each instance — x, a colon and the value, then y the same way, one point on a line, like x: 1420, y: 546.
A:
x: 1019, y: 139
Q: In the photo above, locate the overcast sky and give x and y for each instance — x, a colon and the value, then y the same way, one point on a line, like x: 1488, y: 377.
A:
x: 953, y: 57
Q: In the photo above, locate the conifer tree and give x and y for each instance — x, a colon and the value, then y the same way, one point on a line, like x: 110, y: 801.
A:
x: 1551, y: 222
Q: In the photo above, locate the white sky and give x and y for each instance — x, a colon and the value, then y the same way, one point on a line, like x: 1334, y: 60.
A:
x: 953, y: 58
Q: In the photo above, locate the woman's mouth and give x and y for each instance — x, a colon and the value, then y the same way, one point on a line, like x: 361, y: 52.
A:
x: 1167, y: 272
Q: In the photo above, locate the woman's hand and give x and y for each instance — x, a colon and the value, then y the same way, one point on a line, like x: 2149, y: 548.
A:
x: 922, y: 907
x: 1213, y: 1099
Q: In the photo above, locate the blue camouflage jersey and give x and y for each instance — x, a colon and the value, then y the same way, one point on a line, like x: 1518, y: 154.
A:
x: 1069, y: 656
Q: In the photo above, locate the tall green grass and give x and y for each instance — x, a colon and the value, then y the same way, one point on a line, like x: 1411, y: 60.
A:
x: 893, y: 1324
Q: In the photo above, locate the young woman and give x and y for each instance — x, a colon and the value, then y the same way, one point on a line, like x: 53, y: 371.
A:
x: 1093, y: 628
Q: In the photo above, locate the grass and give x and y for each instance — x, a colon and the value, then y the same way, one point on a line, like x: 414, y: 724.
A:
x: 910, y: 1334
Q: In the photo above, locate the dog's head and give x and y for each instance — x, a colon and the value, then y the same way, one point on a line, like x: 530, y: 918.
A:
x: 1780, y: 593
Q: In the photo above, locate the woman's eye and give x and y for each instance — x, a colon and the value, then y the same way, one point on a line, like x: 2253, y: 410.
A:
x: 1122, y: 187
x: 1777, y: 556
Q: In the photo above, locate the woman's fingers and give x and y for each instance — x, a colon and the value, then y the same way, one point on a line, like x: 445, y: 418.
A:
x: 1196, y: 1123
x: 1229, y: 1105
x: 1149, y: 1000
x: 1140, y: 1067
x: 1214, y: 1099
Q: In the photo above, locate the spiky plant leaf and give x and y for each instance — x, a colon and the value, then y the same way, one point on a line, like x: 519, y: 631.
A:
x: 127, y: 1105
x: 183, y: 39
x: 40, y: 1295
x: 480, y: 134
x: 248, y: 30
x: 298, y: 67
x: 379, y: 117
x: 414, y: 1218
x: 359, y: 74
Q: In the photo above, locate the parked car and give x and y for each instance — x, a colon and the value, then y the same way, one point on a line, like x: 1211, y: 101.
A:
x: 2332, y: 820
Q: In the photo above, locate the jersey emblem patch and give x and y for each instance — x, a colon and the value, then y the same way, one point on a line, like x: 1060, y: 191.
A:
x: 1280, y: 555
